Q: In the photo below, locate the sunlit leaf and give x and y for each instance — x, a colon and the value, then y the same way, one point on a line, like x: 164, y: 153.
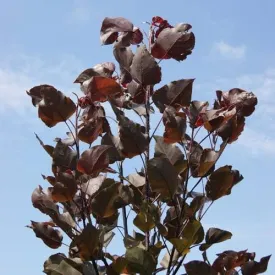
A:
x: 53, y: 105
x: 50, y: 236
x: 105, y: 69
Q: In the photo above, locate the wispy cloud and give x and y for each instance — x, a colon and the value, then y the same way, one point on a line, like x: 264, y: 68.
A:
x: 20, y: 73
x: 230, y: 51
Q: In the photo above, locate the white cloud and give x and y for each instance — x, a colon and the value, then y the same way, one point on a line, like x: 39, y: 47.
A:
x: 19, y: 73
x: 229, y: 51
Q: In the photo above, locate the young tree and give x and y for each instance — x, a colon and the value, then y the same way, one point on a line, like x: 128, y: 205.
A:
x: 178, y: 182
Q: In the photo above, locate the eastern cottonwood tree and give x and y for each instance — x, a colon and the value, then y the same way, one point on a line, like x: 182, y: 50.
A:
x: 91, y: 195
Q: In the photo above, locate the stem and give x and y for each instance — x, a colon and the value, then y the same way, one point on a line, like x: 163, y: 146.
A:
x: 124, y: 214
x: 147, y: 155
x: 95, y: 267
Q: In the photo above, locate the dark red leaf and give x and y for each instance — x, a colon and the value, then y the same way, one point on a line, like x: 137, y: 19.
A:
x: 176, y: 94
x: 110, y: 28
x: 144, y: 68
x: 94, y: 160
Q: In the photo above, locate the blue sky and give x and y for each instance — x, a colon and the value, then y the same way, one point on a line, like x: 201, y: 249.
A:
x: 53, y: 41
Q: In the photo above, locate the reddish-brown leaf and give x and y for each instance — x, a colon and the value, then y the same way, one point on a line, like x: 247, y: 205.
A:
x: 144, y: 68
x: 110, y: 28
x: 174, y: 43
x: 100, y: 88
x: 105, y: 69
x: 176, y: 94
x: 175, y: 125
x: 232, y: 129
x: 64, y: 189
x: 94, y: 160
x: 50, y: 236
x: 243, y: 101
x: 53, y: 105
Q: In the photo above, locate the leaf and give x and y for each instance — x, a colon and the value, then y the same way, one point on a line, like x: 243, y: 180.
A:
x: 94, y: 160
x: 114, y: 153
x: 64, y: 156
x: 198, y: 267
x: 53, y: 105
x: 105, y: 69
x: 232, y: 129
x: 229, y: 260
x: 92, y: 185
x: 108, y: 238
x: 190, y: 236
x: 87, y: 242
x: 91, y: 130
x: 144, y: 68
x: 196, y: 108
x: 100, y: 88
x: 243, y: 101
x: 102, y: 203
x: 69, y: 141
x: 175, y: 125
x: 166, y: 259
x: 59, y: 264
x: 176, y: 94
x: 137, y: 92
x: 133, y: 140
x: 50, y: 236
x: 174, y: 43
x: 43, y: 201
x: 170, y: 151
x: 144, y: 222
x: 64, y: 189
x: 140, y: 261
x: 163, y: 177
x: 137, y: 179
x: 215, y: 235
x: 253, y: 267
x: 48, y: 148
x: 221, y: 182
x: 110, y: 28
x: 207, y: 160
x: 124, y: 56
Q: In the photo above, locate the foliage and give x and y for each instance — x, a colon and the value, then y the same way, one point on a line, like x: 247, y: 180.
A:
x: 89, y: 189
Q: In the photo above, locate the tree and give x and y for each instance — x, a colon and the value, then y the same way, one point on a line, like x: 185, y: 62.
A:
x: 179, y: 180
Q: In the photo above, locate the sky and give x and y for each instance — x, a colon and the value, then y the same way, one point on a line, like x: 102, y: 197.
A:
x: 51, y: 42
